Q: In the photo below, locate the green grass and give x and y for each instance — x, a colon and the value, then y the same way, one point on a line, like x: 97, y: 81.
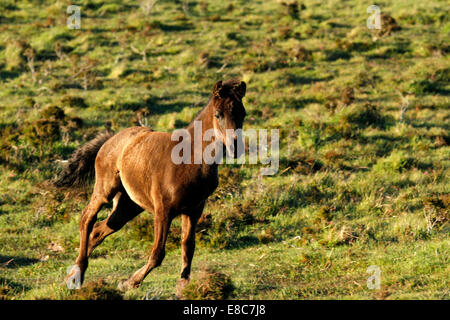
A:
x: 364, y: 159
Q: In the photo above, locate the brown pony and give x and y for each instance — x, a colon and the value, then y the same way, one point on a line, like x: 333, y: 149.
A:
x: 134, y: 169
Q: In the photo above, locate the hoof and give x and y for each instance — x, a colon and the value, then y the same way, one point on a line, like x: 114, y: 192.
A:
x: 125, y: 285
x: 181, y: 284
x: 73, y: 279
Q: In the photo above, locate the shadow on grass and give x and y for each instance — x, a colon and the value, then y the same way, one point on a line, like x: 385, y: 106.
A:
x: 158, y: 108
x: 428, y: 125
x: 9, y: 289
x: 6, y: 75
x: 383, y: 145
x: 299, y: 80
x: 175, y: 27
x: 156, y: 105
x: 245, y: 242
x: 400, y: 48
x: 15, y: 261
x: 333, y: 55
x: 2, y: 212
x: 303, y: 102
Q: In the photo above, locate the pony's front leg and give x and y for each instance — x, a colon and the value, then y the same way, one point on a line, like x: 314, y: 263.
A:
x: 188, y: 224
x: 162, y: 225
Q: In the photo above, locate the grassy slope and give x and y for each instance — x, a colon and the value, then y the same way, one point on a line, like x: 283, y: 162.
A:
x: 357, y: 186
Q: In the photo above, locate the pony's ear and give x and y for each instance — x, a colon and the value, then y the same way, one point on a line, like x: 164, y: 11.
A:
x: 217, y: 88
x: 240, y: 89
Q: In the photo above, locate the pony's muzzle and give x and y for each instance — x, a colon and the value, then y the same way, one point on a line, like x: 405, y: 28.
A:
x: 236, y: 147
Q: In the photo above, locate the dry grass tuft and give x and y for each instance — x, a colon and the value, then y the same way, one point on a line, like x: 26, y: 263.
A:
x: 209, y: 285
x: 97, y: 290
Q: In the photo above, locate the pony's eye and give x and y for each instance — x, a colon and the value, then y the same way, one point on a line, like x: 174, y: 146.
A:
x: 218, y: 115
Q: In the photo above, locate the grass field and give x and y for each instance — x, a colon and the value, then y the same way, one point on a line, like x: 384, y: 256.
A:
x: 364, y: 124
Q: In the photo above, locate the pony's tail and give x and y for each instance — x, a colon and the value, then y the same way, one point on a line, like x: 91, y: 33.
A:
x: 80, y: 168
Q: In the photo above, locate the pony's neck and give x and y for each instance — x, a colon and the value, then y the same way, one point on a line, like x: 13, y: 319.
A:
x: 205, y: 116
x: 202, y: 122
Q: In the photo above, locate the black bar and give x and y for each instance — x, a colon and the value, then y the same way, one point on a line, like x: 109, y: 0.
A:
x: 229, y: 309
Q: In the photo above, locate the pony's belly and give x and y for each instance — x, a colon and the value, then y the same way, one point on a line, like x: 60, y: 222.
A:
x: 138, y: 168
x: 152, y: 179
x: 138, y: 195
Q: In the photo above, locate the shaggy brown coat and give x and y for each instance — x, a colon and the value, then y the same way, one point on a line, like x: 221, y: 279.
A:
x: 134, y: 169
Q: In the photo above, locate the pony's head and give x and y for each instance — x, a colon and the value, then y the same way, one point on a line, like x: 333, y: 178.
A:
x: 229, y: 113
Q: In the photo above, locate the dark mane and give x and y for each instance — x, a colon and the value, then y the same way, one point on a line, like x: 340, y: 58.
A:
x: 201, y: 110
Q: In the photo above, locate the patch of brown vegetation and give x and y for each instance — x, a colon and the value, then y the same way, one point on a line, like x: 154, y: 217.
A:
x: 267, y: 235
x: 437, y: 210
x: 388, y: 25
x: 205, y: 59
x: 324, y: 214
x: 347, y: 235
x: 441, y: 141
x: 96, y: 290
x: 229, y: 182
x: 293, y: 8
x: 49, y: 127
x: 348, y: 96
x: 74, y: 102
x: 300, y: 53
x: 303, y: 163
x: 208, y: 285
x: 140, y: 117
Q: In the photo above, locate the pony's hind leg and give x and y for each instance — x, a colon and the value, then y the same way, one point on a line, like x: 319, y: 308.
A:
x: 75, y: 278
x: 103, y: 193
x: 124, y: 209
